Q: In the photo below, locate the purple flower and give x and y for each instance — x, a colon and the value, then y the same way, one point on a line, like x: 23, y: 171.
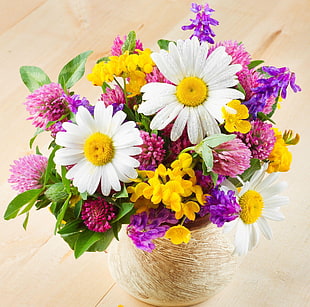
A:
x: 273, y: 86
x: 75, y: 101
x: 201, y: 24
x: 27, y: 173
x: 97, y: 214
x: 145, y: 227
x: 223, y: 207
x: 260, y: 139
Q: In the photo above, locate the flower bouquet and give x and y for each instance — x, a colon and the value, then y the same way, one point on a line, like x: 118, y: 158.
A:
x: 178, y: 135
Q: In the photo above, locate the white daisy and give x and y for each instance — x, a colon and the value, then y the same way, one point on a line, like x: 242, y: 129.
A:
x: 100, y: 148
x: 259, y: 201
x: 201, y: 87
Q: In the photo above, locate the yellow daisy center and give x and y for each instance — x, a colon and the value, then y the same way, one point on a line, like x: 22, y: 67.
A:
x: 192, y: 91
x: 252, y: 204
x: 99, y: 149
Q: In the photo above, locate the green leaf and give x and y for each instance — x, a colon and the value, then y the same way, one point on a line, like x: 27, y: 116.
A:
x: 207, y: 156
x: 217, y: 139
x: 50, y: 165
x: 214, y: 177
x: 104, y: 87
x: 85, y: 240
x: 33, y: 77
x: 122, y: 193
x: 102, y: 244
x: 130, y: 42
x: 73, y: 71
x: 264, y: 117
x: 66, y: 182
x: 72, y: 227
x: 26, y: 221
x: 123, y: 210
x: 38, y: 131
x: 164, y: 43
x: 62, y: 212
x: 78, y: 208
x: 105, y: 59
x: 255, y: 166
x: 255, y: 63
x: 27, y: 197
x: 241, y: 89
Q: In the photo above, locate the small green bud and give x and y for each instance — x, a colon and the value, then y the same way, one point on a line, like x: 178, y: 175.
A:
x: 56, y: 192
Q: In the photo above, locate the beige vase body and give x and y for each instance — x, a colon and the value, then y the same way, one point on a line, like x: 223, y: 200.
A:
x: 174, y: 275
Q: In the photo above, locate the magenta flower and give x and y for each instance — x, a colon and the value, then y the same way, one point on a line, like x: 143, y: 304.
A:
x: 97, y: 214
x: 118, y: 43
x: 231, y: 158
x: 156, y: 76
x: 248, y: 80
x: 27, y: 173
x: 153, y: 151
x: 113, y: 96
x: 46, y: 104
x: 236, y: 51
x: 260, y: 139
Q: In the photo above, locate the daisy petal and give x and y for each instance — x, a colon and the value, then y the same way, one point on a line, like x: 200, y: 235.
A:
x: 264, y: 228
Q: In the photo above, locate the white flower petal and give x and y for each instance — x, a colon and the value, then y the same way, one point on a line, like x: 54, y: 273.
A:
x: 94, y: 180
x: 208, y: 123
x: 67, y: 156
x: 113, y: 178
x: 216, y: 62
x: 85, y: 120
x: 165, y: 116
x: 264, y: 228
x: 167, y: 66
x: 274, y: 189
x: 273, y: 214
x: 254, y: 236
x: 242, y: 238
x: 194, y: 127
x: 229, y: 226
x: 179, y: 124
x: 276, y: 201
x: 103, y: 117
x: 105, y: 182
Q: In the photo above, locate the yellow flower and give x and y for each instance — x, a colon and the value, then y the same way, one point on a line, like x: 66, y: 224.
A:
x: 178, y: 234
x: 188, y: 209
x: 136, y: 81
x: 235, y: 114
x: 280, y: 157
x: 142, y: 204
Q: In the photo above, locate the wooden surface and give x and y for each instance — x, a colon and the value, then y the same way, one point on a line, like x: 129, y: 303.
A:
x: 38, y: 269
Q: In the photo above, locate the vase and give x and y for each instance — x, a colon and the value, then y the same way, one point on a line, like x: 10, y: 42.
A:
x: 174, y: 275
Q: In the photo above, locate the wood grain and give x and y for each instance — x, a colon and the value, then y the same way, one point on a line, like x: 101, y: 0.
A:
x: 38, y: 269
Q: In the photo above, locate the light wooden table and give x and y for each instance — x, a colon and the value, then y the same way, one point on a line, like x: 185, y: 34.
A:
x: 37, y: 269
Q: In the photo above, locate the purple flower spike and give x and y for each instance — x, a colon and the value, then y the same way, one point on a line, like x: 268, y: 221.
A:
x: 223, y: 207
x: 145, y: 227
x: 201, y: 24
x: 273, y: 86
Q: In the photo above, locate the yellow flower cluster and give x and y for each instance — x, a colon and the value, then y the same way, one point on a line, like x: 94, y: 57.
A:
x: 127, y: 66
x: 174, y: 187
x: 235, y: 115
x: 280, y: 157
